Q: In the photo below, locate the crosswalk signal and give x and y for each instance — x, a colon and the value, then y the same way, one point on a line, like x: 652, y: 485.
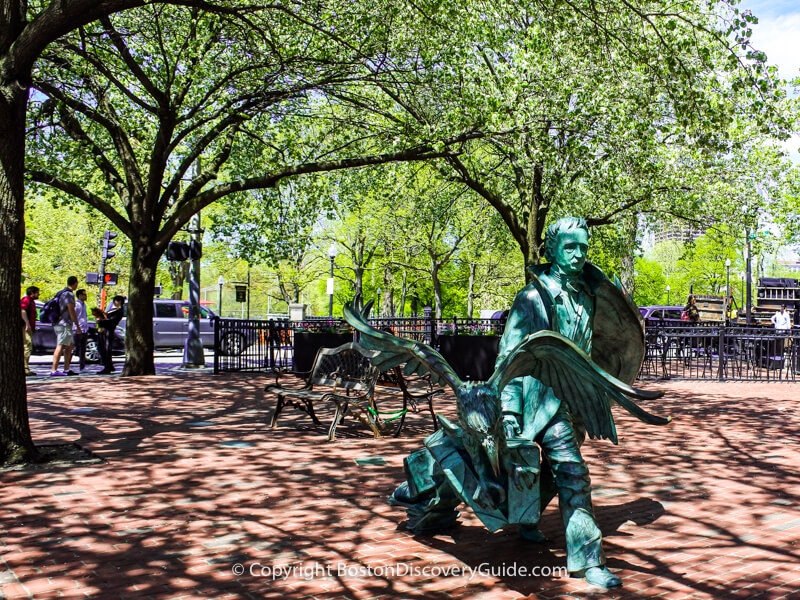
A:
x: 110, y: 278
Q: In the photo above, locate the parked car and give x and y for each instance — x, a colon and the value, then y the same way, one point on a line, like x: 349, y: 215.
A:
x: 171, y: 327
x: 661, y: 315
x: 44, y: 339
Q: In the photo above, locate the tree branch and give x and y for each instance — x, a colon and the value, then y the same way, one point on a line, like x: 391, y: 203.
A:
x: 81, y: 193
x: 182, y: 211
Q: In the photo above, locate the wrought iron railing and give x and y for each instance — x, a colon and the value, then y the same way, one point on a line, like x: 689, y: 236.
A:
x: 724, y: 353
x: 702, y: 351
x: 250, y: 345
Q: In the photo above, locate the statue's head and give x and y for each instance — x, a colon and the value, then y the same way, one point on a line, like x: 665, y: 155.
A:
x: 566, y: 243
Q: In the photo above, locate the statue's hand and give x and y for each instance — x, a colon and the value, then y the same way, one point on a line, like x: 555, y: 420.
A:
x: 511, y: 425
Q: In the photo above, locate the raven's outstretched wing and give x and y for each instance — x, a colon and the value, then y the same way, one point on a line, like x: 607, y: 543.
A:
x: 586, y: 388
x: 419, y: 358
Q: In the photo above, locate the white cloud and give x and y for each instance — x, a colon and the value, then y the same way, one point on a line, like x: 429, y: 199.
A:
x: 779, y: 37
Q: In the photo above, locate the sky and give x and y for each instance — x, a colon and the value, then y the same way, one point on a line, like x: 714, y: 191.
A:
x: 778, y: 34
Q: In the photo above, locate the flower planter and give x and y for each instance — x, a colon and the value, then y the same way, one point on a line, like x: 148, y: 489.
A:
x: 471, y: 356
x: 307, y: 344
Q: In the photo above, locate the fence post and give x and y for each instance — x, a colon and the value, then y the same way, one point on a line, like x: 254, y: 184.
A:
x: 216, y: 344
x: 721, y: 352
x: 271, y: 335
x: 427, y: 314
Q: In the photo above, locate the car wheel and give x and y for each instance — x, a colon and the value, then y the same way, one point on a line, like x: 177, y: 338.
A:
x: 232, y: 344
x: 92, y: 351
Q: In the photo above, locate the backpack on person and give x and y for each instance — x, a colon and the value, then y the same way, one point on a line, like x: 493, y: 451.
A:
x: 51, y: 311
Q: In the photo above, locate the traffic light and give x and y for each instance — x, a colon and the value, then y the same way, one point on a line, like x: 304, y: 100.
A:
x: 181, y: 251
x: 178, y: 251
x: 110, y: 278
x: 108, y: 245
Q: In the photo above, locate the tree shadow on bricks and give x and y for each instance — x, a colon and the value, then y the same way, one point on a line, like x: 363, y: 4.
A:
x: 178, y: 504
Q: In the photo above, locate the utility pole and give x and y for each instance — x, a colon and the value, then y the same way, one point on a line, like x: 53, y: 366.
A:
x: 193, y: 356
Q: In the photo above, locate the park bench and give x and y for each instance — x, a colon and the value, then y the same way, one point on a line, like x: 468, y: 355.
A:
x: 344, y: 376
x: 411, y: 392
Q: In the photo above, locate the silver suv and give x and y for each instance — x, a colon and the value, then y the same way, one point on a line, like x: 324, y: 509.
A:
x: 171, y: 323
x: 170, y: 329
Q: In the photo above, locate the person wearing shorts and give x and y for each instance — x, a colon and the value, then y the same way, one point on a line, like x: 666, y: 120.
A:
x: 63, y: 329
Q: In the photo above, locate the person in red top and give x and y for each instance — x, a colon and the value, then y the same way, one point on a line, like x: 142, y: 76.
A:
x: 28, y: 305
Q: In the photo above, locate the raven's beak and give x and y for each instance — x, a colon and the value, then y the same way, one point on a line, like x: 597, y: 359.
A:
x: 490, y: 447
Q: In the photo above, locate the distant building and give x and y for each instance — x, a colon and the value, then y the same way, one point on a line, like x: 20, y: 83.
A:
x: 677, y: 232
x: 790, y: 265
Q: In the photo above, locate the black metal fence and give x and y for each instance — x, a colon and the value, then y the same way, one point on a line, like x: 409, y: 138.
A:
x: 708, y: 351
x: 701, y: 351
x: 250, y: 345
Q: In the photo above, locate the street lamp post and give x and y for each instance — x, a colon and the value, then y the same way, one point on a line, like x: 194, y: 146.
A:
x: 727, y: 289
x: 332, y: 252
x: 668, y: 289
x: 742, y: 276
x: 748, y: 219
x: 220, y: 282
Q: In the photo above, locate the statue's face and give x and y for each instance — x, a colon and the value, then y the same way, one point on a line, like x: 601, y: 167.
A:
x: 570, y: 254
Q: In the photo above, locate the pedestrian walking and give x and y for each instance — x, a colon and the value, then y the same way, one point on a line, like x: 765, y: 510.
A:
x: 83, y: 321
x: 106, y: 334
x: 28, y: 306
x: 63, y: 328
x: 690, y: 312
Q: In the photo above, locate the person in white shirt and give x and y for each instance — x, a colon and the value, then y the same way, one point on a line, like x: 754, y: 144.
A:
x: 782, y: 320
x: 83, y: 323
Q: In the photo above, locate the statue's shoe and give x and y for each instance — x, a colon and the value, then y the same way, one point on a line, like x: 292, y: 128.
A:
x: 532, y: 533
x: 601, y: 576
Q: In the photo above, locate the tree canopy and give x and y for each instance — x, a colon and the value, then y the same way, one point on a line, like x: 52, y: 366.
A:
x: 615, y: 110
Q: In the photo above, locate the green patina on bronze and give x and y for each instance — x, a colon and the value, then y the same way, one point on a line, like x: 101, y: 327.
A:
x: 573, y: 343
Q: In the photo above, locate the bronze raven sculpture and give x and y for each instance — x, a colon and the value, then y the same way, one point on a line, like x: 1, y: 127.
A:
x: 546, y: 355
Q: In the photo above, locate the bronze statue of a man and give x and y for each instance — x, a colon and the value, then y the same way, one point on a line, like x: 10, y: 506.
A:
x: 561, y: 298
x: 572, y: 344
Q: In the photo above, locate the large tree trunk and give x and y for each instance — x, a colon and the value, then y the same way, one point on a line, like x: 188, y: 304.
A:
x: 16, y: 444
x: 139, y: 333
x: 437, y: 292
x: 533, y: 251
x: 387, y: 302
x: 532, y: 242
x: 403, y: 294
x: 358, y: 284
x: 471, y: 289
x: 628, y: 264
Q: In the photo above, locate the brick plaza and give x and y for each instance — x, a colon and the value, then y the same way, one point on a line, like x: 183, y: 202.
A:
x: 195, y: 486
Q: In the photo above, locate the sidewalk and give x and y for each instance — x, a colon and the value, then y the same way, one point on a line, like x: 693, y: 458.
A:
x: 195, y: 486
x: 166, y: 362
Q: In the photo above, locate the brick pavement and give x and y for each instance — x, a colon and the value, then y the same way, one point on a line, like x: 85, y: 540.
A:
x: 195, y: 482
